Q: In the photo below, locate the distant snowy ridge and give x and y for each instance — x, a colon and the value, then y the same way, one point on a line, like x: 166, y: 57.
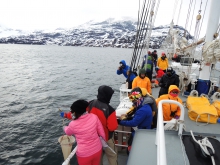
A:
x: 108, y: 33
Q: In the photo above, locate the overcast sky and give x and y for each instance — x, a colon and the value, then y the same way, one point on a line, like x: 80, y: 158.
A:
x: 51, y: 14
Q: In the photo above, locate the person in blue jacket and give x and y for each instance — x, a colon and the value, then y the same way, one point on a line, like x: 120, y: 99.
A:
x: 125, y: 70
x: 143, y: 116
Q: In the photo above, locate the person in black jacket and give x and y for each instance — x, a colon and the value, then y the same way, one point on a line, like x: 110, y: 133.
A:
x: 169, y: 78
x: 154, y: 54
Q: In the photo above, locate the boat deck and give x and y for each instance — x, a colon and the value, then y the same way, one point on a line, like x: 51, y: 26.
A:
x: 144, y: 148
x: 171, y: 139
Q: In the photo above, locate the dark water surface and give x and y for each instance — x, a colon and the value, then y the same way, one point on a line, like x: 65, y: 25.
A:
x: 37, y: 80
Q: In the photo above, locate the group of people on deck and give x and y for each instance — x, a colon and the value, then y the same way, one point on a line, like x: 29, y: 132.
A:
x: 95, y: 121
x: 145, y: 115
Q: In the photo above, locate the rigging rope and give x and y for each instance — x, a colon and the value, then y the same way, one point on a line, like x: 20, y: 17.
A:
x: 179, y: 12
x: 146, y: 45
x: 144, y: 33
x: 203, y: 16
x: 140, y: 35
x: 188, y: 15
x: 137, y: 36
x: 192, y: 16
x: 175, y: 7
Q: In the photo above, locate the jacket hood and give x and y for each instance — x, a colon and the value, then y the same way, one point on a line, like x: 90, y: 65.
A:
x: 105, y: 94
x: 144, y: 91
x: 123, y: 62
x: 172, y: 87
x: 148, y: 100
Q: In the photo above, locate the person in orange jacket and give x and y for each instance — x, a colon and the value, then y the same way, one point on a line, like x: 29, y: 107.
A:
x: 162, y: 62
x: 170, y: 110
x: 142, y: 81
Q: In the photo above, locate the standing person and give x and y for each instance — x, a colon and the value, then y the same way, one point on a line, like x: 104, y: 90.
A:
x: 162, y: 62
x: 170, y: 110
x: 148, y: 65
x: 125, y: 70
x: 107, y: 116
x: 169, y: 78
x: 154, y: 54
x: 142, y: 81
x: 87, y: 129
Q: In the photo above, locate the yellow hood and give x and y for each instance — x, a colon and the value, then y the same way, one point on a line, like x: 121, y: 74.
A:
x: 172, y: 87
x: 144, y: 91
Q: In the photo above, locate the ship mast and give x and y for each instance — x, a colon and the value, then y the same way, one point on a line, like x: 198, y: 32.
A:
x: 213, y: 22
x: 203, y: 83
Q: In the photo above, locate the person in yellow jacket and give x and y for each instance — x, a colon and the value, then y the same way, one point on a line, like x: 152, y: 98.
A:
x: 170, y: 110
x: 142, y: 81
x: 162, y: 62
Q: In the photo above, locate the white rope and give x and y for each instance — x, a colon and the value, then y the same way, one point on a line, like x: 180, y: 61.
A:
x: 203, y: 16
x: 179, y: 12
x: 188, y: 14
x: 174, y: 8
x: 192, y: 16
x: 204, y: 145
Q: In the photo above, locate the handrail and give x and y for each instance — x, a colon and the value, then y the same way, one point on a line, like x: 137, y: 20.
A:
x: 124, y: 91
x: 160, y: 137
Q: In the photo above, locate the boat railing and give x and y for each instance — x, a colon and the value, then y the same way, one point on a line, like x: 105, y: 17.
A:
x: 124, y: 91
x: 160, y: 135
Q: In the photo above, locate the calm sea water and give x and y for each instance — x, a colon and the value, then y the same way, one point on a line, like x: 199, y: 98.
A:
x: 35, y: 81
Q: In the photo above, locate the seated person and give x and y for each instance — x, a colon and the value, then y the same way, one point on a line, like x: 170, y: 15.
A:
x: 142, y: 118
x: 160, y: 73
x: 142, y: 81
x: 169, y: 78
x: 170, y: 110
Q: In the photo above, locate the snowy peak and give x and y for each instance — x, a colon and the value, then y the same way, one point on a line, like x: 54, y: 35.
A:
x: 108, y: 33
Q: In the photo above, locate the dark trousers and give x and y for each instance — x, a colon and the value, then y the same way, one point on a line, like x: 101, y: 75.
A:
x: 149, y: 75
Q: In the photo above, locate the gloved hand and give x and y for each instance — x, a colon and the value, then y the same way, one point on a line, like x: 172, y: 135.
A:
x: 161, y: 85
x: 176, y: 117
x: 62, y: 114
x: 118, y: 120
x: 66, y: 115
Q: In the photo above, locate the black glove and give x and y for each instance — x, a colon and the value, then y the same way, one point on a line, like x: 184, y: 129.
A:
x: 161, y: 84
x: 118, y: 120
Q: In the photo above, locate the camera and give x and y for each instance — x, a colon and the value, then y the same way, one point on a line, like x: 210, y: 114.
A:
x: 121, y: 67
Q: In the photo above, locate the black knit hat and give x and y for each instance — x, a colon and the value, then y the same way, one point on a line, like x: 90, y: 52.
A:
x: 141, y: 71
x: 79, y: 106
x: 170, y: 69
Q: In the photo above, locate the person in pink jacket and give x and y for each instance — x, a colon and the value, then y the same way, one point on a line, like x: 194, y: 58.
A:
x: 87, y: 129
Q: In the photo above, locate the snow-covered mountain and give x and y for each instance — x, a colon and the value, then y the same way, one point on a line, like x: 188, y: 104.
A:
x: 109, y: 33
